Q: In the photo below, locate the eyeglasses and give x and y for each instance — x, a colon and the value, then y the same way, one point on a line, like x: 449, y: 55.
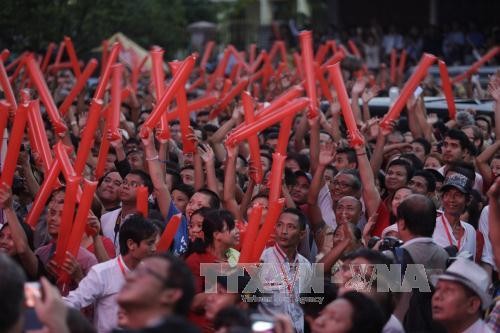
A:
x: 342, y: 185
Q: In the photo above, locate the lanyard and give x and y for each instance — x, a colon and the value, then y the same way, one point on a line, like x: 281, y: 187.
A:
x: 448, y: 234
x: 122, y: 267
x: 289, y: 284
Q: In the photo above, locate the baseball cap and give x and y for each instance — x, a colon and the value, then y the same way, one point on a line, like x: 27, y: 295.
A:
x: 458, y: 181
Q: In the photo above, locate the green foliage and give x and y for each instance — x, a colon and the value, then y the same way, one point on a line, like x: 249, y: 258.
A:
x: 32, y: 24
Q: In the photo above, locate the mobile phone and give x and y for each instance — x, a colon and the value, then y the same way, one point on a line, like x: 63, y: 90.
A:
x: 32, y: 291
x: 418, y: 92
x: 262, y: 323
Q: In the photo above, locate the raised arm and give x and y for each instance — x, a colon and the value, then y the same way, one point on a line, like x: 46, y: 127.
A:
x: 367, y: 95
x: 494, y: 90
x: 28, y: 258
x: 157, y: 175
x: 494, y: 220
x: 326, y: 156
x: 314, y: 142
x: 371, y: 196
x: 483, y: 163
x: 207, y: 156
x: 357, y: 89
x: 228, y: 197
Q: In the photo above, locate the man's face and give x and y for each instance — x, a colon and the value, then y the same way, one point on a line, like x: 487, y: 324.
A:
x: 54, y: 218
x: 335, y: 318
x: 324, y: 140
x: 187, y: 176
x: 342, y: 186
x: 144, y: 285
x: 395, y: 178
x: 288, y: 233
x: 300, y: 190
x: 110, y: 162
x: 348, y: 210
x: 451, y: 302
x: 175, y: 132
x: 108, y: 190
x: 128, y: 189
x: 197, y: 201
x: 266, y: 163
x: 341, y: 162
x: 418, y: 150
x: 180, y: 200
x: 146, y: 248
x: 7, y: 244
x: 418, y: 185
x: 454, y: 202
x: 452, y: 151
x: 136, y: 160
x: 202, y: 119
x: 292, y: 165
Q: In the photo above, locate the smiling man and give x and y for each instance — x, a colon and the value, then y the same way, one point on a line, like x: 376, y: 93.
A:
x: 450, y: 230
x: 127, y: 193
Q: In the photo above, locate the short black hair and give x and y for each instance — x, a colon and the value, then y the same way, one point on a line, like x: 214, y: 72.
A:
x: 429, y: 178
x: 179, y: 276
x: 137, y: 228
x: 214, y: 201
x: 459, y: 135
x: 424, y: 143
x: 419, y: 214
x: 367, y: 316
x: 12, y: 279
x: 415, y: 162
x: 302, y: 219
x: 214, y: 221
x: 351, y: 154
x: 302, y: 161
x: 404, y: 163
x: 184, y: 188
x: 464, y: 168
x: 176, y: 177
x: 146, y: 179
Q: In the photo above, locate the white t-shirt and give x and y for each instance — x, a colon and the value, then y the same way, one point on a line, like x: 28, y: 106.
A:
x: 443, y: 236
x: 487, y: 256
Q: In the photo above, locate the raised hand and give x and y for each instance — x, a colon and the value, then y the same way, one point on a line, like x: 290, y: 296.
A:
x: 358, y: 87
x: 327, y: 154
x: 389, y: 130
x: 149, y: 140
x: 5, y: 196
x: 335, y: 108
x: 206, y: 153
x: 494, y: 87
x: 370, y: 93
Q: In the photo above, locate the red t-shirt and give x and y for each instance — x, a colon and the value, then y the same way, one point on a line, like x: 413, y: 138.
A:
x: 383, y: 219
x: 108, y: 246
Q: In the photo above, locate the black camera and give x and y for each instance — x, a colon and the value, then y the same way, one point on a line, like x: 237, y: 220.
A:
x: 389, y: 244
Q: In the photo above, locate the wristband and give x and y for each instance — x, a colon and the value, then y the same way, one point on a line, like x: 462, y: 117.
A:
x: 156, y: 157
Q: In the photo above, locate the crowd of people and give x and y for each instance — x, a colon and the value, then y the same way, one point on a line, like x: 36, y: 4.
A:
x: 457, y: 43
x: 423, y: 193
